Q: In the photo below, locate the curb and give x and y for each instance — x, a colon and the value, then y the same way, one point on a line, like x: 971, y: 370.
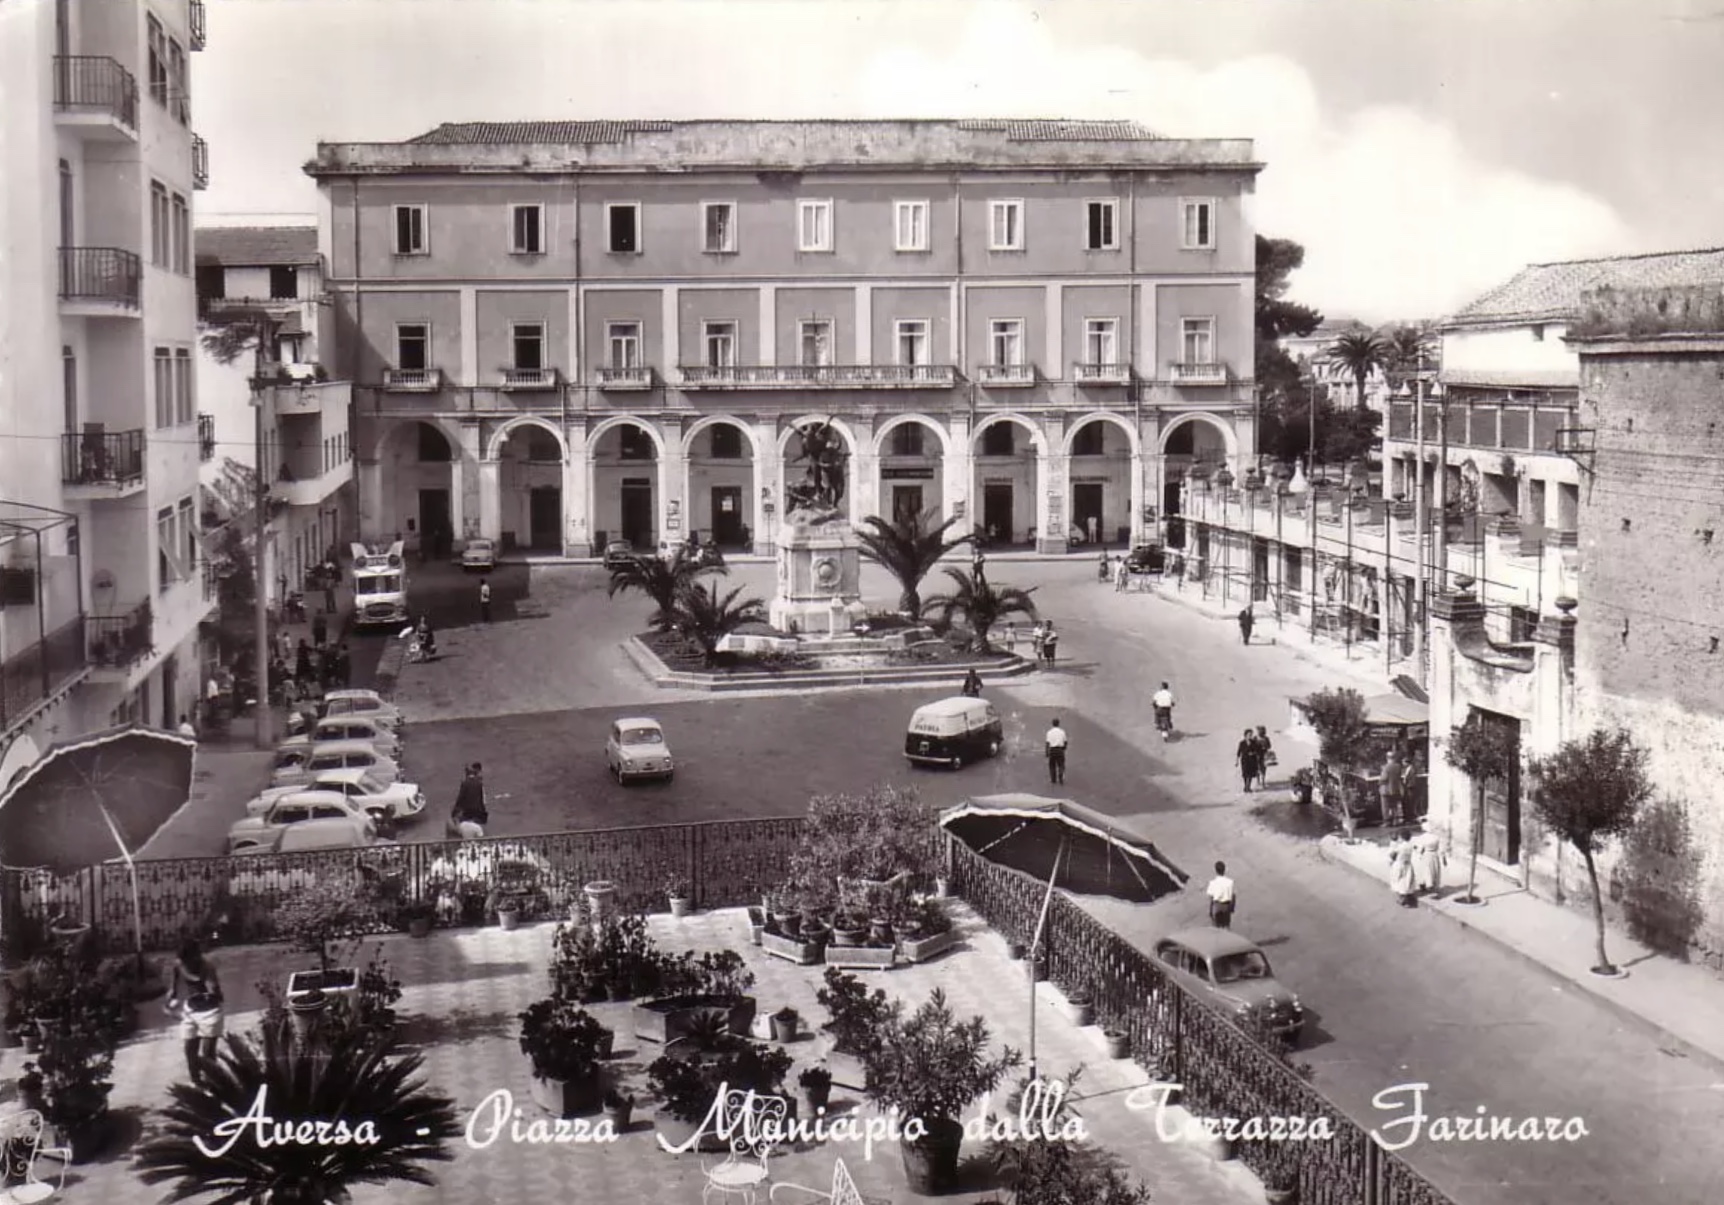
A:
x: 663, y: 676
x: 1688, y: 1048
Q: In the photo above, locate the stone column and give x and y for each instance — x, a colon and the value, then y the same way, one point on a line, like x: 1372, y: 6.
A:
x: 370, y: 501
x: 864, y: 484
x: 577, y: 492
x: 1137, y: 499
x: 465, y: 485
x: 958, y: 476
x: 673, y: 516
x: 491, y: 499
x: 768, y: 490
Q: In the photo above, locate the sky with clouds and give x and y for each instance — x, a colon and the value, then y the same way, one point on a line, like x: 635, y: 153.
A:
x: 1421, y: 150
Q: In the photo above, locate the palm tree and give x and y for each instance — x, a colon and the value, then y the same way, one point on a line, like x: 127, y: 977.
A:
x: 661, y: 580
x: 981, y: 603
x: 1361, y: 353
x: 1408, y: 348
x: 908, y: 548
x: 702, y: 615
x: 352, y: 1080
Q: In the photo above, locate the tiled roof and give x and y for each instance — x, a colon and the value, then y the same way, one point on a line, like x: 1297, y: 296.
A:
x: 1512, y: 378
x: 555, y: 133
x: 1061, y: 130
x: 244, y: 246
x: 1551, y: 292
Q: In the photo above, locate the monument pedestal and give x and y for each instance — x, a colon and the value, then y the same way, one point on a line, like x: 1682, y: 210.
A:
x: 819, y: 578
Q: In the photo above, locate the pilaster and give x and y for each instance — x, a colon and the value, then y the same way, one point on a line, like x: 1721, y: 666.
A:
x: 469, y: 335
x: 465, y: 485
x: 670, y: 318
x: 958, y: 475
x: 577, y: 473
x: 673, y: 519
x: 864, y: 325
x: 768, y: 488
x: 768, y: 295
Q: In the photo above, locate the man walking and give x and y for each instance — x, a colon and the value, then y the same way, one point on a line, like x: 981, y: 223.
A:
x: 1222, y: 898
x: 485, y: 600
x: 1055, y: 742
x: 469, y: 817
x: 331, y: 575
x: 1246, y: 619
x: 1050, y: 643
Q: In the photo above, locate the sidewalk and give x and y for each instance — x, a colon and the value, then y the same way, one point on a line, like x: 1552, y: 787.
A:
x: 1681, y: 1001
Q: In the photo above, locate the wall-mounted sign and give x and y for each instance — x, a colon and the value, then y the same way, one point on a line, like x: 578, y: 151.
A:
x: 906, y: 474
x: 672, y: 523
x: 1091, y: 479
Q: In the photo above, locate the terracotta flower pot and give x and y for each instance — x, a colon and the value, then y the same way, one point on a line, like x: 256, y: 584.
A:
x: 931, y: 1164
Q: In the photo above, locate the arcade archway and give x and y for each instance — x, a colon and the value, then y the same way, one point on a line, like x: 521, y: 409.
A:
x: 530, y: 487
x: 719, y: 456
x: 1007, y: 481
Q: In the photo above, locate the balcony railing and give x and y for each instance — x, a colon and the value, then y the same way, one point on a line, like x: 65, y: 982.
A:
x: 1192, y: 373
x: 119, y: 641
x: 625, y: 378
x: 1101, y: 374
x: 200, y: 162
x: 206, y: 437
x: 91, y: 84
x: 101, y: 274
x: 413, y: 380
x: 197, y: 17
x: 113, y: 458
x: 524, y: 379
x: 38, y: 672
x: 819, y: 376
x: 1008, y: 375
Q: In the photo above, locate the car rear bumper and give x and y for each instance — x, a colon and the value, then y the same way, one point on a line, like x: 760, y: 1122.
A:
x: 625, y: 770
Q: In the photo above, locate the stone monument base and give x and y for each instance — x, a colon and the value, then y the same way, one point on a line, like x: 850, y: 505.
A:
x: 819, y: 577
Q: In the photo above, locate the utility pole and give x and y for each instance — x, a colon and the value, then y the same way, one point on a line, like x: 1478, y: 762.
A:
x: 1442, y: 558
x: 264, y: 330
x: 1421, y: 526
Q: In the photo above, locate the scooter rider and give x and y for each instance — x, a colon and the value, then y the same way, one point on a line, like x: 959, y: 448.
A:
x: 1163, y: 704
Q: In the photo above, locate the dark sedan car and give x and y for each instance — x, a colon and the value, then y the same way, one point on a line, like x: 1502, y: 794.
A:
x: 618, y: 553
x: 1232, y: 974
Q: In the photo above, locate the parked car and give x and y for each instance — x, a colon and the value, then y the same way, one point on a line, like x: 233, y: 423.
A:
x: 1232, y: 974
x: 954, y: 731
x: 636, y: 748
x: 618, y: 553
x: 1147, y: 558
x: 299, y: 808
x: 361, y: 702
x: 353, y: 728
x: 381, y: 798
x: 324, y: 833
x: 479, y: 554
x: 298, y: 762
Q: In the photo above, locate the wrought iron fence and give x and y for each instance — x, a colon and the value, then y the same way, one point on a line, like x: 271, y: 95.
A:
x: 101, y: 274
x: 83, y: 82
x: 116, y: 641
x: 1223, y: 1070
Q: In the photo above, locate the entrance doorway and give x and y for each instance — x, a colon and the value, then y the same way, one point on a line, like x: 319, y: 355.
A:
x: 1086, y: 510
x: 170, y: 697
x: 997, y: 512
x: 637, y: 524
x: 545, y: 517
x: 727, y: 516
x: 906, y: 502
x: 1502, y: 796
x: 434, y: 523
x: 1170, y: 508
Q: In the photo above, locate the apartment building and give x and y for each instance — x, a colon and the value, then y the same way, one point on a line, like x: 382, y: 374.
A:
x: 99, y: 448
x: 566, y: 333
x: 264, y: 284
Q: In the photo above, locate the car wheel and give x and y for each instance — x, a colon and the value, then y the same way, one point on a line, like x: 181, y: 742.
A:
x: 670, y: 775
x: 993, y: 748
x: 958, y: 762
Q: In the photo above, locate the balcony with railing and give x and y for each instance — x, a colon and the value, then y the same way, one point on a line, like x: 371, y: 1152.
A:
x: 100, y: 280
x: 531, y: 380
x: 96, y: 98
x: 1007, y: 376
x: 200, y: 162
x: 197, y: 24
x: 1101, y: 374
x: 412, y: 380
x: 206, y: 437
x: 118, y: 642
x: 102, y: 464
x: 36, y: 674
x: 818, y: 376
x: 1188, y: 372
x: 42, y: 651
x: 1501, y: 426
x: 633, y: 378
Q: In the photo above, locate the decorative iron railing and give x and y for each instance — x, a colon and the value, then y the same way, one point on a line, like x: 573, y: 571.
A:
x: 117, y: 641
x: 530, y: 378
x: 818, y: 376
x: 102, y: 457
x: 38, y: 672
x: 200, y: 162
x: 90, y: 83
x: 197, y: 24
x: 101, y: 274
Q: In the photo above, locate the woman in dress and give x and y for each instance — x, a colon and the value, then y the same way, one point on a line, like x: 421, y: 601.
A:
x: 1248, y: 758
x: 1403, y: 880
x: 196, y: 995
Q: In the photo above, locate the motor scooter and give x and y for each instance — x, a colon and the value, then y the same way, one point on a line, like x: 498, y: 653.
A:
x: 1164, y: 722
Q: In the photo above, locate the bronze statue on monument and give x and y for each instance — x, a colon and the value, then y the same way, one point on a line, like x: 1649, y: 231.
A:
x: 817, y: 497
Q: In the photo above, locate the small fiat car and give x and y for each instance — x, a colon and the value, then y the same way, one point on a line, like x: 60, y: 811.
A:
x: 953, y: 732
x: 1232, y: 974
x: 479, y: 554
x: 636, y: 748
x: 618, y: 553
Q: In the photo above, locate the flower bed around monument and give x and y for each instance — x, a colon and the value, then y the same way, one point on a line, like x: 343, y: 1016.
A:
x: 682, y: 656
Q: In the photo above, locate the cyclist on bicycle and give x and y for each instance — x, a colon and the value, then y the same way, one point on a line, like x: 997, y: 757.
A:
x: 1163, y: 704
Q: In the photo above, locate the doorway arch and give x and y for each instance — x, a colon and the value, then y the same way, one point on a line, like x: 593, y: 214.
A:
x: 721, y: 481
x: 530, y: 455
x: 911, y: 468
x: 418, y: 462
x: 1008, y: 480
x: 1106, y: 480
x: 626, y: 458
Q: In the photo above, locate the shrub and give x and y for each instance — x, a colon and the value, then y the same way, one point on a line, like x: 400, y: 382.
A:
x: 855, y: 1017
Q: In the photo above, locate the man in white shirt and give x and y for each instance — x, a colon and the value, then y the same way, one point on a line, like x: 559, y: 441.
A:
x: 1163, y: 705
x: 1222, y: 898
x: 1055, y: 742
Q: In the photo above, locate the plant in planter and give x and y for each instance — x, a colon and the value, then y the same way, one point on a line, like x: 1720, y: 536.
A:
x: 1118, y: 1043
x: 784, y: 1024
x: 687, y: 1087
x: 1277, y: 1164
x: 849, y: 929
x: 874, y: 836
x: 1080, y: 1005
x: 417, y: 917
x: 369, y: 1011
x: 855, y: 1019
x: 680, y: 896
x: 508, y: 905
x: 320, y: 923
x: 931, y: 1066
x: 815, y: 1090
x: 565, y: 1046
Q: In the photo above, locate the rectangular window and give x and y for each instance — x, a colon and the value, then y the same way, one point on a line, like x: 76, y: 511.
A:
x: 158, y: 61
x: 718, y: 221
x: 410, y: 235
x: 179, y: 84
x: 164, y: 383
x: 528, y: 340
x: 814, y: 225
x: 816, y: 343
x: 69, y: 387
x: 1006, y: 342
x: 527, y: 234
x: 1197, y: 340
x: 1005, y: 225
x: 183, y: 411
x: 160, y: 220
x: 412, y: 346
x: 624, y: 340
x: 1102, y: 229
x: 1197, y: 223
x: 165, y: 548
x: 283, y: 283
x: 910, y: 225
x: 623, y: 227
x: 719, y: 340
x: 182, y: 235
x: 726, y: 442
x: 907, y: 440
x: 188, y: 534
x: 1100, y: 340
x: 912, y: 341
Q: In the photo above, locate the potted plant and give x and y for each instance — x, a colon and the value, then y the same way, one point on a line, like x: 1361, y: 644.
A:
x: 417, y: 917
x: 601, y: 899
x: 784, y: 1023
x: 856, y: 1018
x: 1280, y: 1174
x: 926, y: 931
x: 786, y: 916
x: 565, y: 1045
x: 1080, y: 1007
x: 815, y: 1090
x: 1118, y: 1043
x: 931, y: 1066
x: 687, y: 1083
x: 681, y: 898
x: 320, y: 923
x: 73, y: 1067
x: 848, y: 929
x: 619, y: 1109
x: 506, y: 904
x: 1015, y: 950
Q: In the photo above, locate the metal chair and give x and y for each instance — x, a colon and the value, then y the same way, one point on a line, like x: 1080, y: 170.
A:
x: 743, y: 1171
x: 21, y: 1144
x: 843, y: 1192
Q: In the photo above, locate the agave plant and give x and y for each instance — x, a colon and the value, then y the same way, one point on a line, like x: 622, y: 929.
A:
x: 208, y: 1148
x: 908, y: 548
x: 981, y: 603
x: 661, y: 580
x: 707, y: 618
